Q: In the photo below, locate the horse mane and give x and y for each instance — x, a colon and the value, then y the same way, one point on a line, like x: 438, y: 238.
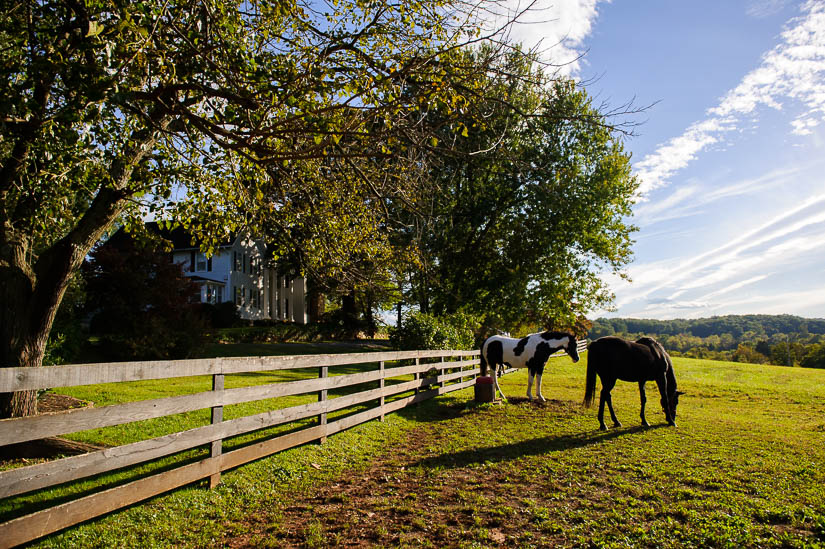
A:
x: 659, y: 350
x: 670, y: 376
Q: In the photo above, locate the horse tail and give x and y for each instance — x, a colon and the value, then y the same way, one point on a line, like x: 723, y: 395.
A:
x: 483, y: 360
x: 590, y: 383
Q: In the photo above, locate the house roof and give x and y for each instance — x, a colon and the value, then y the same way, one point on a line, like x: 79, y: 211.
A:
x: 181, y: 239
x: 198, y: 278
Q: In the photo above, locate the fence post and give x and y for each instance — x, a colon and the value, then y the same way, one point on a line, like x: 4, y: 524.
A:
x: 323, y: 373
x: 417, y: 375
x: 381, y: 386
x: 217, y: 417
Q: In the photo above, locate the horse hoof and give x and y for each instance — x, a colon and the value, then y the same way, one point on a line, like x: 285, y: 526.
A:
x: 603, y: 428
x: 645, y: 424
x: 617, y: 424
x: 672, y: 423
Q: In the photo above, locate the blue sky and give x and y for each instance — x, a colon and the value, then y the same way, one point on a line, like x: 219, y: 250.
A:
x: 730, y: 156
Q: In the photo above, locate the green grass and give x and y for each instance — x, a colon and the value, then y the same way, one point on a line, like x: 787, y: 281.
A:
x: 744, y: 467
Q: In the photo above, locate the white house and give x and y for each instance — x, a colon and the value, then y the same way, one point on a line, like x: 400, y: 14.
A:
x: 239, y: 272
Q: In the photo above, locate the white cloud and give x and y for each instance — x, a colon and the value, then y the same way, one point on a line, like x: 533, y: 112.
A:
x: 735, y: 286
x: 744, y: 260
x: 794, y: 69
x: 765, y: 8
x: 807, y: 302
x: 690, y: 199
x: 556, y: 28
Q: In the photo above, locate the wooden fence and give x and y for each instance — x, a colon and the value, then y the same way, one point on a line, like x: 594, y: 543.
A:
x: 388, y: 381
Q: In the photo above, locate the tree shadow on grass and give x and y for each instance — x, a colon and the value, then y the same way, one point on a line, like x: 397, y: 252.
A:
x: 532, y: 447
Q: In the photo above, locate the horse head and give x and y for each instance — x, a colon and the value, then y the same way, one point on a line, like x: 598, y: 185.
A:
x: 572, y: 347
x: 661, y: 355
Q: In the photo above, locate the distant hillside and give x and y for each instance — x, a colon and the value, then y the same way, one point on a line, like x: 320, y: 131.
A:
x: 736, y: 325
x: 778, y: 339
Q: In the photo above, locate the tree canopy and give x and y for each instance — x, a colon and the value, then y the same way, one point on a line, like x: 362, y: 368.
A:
x: 528, y: 208
x: 778, y: 339
x: 202, y: 112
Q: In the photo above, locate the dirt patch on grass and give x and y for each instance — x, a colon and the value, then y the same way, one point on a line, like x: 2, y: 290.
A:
x: 51, y: 402
x: 420, y: 493
x: 51, y: 447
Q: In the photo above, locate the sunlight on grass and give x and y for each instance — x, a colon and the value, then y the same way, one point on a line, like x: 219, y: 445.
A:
x: 743, y: 468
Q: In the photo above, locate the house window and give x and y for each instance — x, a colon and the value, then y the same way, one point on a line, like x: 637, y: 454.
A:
x: 203, y: 263
x: 238, y: 296
x: 244, y: 266
x: 236, y: 262
x: 214, y: 294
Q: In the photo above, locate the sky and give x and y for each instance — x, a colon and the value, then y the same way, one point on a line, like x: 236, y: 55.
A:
x: 729, y: 153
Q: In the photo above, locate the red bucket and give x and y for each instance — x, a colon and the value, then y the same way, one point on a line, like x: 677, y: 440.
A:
x: 484, y: 389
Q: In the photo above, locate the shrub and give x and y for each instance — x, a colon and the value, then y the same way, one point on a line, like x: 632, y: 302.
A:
x: 145, y: 308
x: 424, y: 331
x: 275, y: 332
x: 222, y: 315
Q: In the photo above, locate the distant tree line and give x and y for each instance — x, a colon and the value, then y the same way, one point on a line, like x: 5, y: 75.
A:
x: 785, y: 340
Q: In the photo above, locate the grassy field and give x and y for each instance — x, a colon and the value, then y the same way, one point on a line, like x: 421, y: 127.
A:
x: 744, y: 467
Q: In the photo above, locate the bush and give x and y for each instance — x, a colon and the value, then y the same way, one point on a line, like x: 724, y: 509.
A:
x: 275, y: 332
x: 222, y: 315
x: 423, y: 331
x: 154, y: 338
x: 144, y: 307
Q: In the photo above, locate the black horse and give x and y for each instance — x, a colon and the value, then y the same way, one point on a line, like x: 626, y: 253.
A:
x: 641, y: 361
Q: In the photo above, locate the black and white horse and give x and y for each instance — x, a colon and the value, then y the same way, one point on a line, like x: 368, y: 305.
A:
x: 529, y: 352
x: 613, y: 358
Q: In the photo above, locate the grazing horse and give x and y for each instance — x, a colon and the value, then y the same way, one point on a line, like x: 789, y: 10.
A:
x: 641, y: 361
x: 529, y: 352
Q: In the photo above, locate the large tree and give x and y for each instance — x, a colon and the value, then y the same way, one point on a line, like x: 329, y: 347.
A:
x: 199, y: 111
x: 531, y: 209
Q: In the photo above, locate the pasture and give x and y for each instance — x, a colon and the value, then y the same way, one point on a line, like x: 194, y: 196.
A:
x: 744, y: 467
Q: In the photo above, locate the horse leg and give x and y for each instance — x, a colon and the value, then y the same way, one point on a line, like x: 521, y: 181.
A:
x: 643, y: 398
x: 616, y: 422
x: 607, y: 386
x: 662, y: 383
x: 530, y: 384
x: 602, y: 396
x: 495, y: 380
x: 538, y: 388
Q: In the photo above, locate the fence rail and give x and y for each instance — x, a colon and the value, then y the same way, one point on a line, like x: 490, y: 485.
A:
x: 386, y: 373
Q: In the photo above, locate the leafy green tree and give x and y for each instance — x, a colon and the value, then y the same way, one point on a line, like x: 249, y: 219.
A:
x: 425, y: 331
x: 199, y: 111
x: 786, y: 353
x: 815, y: 357
x: 523, y: 231
x: 144, y: 307
x: 746, y: 353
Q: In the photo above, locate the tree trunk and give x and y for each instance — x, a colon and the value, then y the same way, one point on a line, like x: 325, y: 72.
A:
x: 19, y: 404
x: 349, y: 308
x: 370, y: 318
x: 30, y: 298
x: 315, y: 304
x: 32, y: 285
x: 22, y: 343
